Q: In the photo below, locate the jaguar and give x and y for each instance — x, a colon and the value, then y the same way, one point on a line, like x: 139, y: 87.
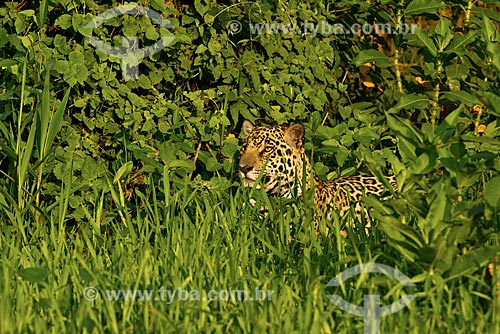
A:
x: 277, y: 152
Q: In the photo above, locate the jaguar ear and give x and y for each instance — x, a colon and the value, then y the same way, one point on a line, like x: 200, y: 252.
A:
x: 247, y: 127
x: 294, y: 135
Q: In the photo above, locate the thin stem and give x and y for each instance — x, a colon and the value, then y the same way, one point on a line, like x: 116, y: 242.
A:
x: 435, y: 101
x: 399, y: 82
x: 468, y: 11
x: 397, y: 71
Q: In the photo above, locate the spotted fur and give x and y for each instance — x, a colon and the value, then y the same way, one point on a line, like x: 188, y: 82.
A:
x: 278, y: 153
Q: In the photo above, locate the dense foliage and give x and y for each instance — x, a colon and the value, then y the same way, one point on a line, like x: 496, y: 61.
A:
x: 96, y: 168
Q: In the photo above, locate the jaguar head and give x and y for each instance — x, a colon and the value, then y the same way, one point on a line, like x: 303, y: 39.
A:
x: 276, y: 152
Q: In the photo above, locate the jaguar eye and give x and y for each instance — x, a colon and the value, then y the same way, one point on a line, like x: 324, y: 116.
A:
x: 268, y: 149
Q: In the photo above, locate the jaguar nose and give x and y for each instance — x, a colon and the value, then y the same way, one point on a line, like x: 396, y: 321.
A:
x: 245, y: 168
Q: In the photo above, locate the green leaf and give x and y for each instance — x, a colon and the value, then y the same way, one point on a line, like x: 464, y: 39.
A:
x: 491, y: 192
x: 188, y: 165
x: 443, y: 34
x: 24, y: 150
x: 209, y: 19
x: 213, y: 165
x: 200, y: 8
x: 42, y: 15
x: 43, y: 116
x: 151, y: 33
x: 418, y: 7
x: 7, y: 63
x: 369, y: 56
x: 409, y: 137
x: 439, y: 214
x: 144, y: 82
x: 34, y: 274
x: 229, y: 147
x: 447, y: 128
x: 491, y: 13
x: 491, y: 100
x: 480, y: 139
x: 462, y: 96
x: 424, y: 163
x: 460, y: 41
x: 490, y: 37
x: 423, y: 37
x: 489, y: 32
x: 410, y: 101
x: 406, y: 240
x: 472, y: 261
x: 56, y: 120
x: 123, y: 171
x: 64, y: 21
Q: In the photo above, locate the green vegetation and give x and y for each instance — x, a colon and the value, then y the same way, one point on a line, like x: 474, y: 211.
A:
x: 132, y: 184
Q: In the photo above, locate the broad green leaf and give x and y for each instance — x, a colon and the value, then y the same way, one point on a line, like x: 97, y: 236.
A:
x: 472, y: 261
x: 260, y: 101
x: 410, y: 101
x: 491, y: 13
x: 186, y: 164
x: 462, y: 96
x: 200, y: 7
x: 494, y: 52
x: 439, y: 214
x: 492, y: 192
x: 144, y: 81
x: 209, y: 19
x: 459, y: 42
x: 27, y: 12
x: 424, y: 163
x: 447, y: 127
x: 406, y: 240
x: 457, y: 72
x: 4, y: 63
x: 480, y: 139
x: 418, y: 7
x: 489, y: 32
x: 443, y: 34
x: 91, y: 169
x: 123, y: 171
x: 213, y: 165
x: 444, y: 253
x: 151, y: 33
x: 369, y: 56
x: 423, y: 37
x: 409, y: 137
x: 229, y: 147
x: 64, y: 21
x: 491, y: 38
x: 491, y: 100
